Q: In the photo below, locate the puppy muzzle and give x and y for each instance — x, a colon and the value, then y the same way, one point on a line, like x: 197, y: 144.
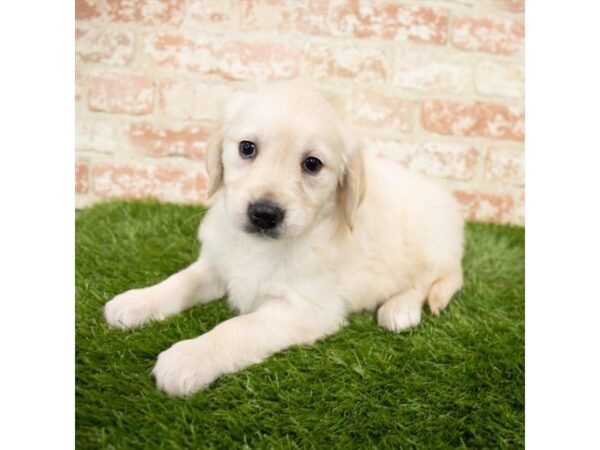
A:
x: 264, y: 217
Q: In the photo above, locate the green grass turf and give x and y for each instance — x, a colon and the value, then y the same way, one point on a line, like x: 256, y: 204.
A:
x: 454, y: 381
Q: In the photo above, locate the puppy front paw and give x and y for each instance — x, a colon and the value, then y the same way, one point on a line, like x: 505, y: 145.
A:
x: 130, y: 309
x: 185, y: 368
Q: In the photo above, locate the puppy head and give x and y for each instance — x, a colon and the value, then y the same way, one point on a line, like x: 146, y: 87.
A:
x: 284, y: 161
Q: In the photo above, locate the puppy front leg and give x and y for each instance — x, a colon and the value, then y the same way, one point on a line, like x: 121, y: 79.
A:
x: 191, y: 365
x: 195, y: 284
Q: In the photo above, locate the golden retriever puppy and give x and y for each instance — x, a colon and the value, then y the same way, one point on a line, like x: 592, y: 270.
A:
x: 305, y: 228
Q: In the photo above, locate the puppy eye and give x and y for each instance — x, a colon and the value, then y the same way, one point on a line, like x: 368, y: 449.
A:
x: 247, y: 149
x: 312, y: 165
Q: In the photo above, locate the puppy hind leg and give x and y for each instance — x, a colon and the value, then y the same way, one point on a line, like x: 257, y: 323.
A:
x: 442, y: 290
x: 401, y: 311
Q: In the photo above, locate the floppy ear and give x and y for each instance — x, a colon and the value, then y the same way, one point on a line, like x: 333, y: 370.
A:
x: 213, y: 160
x: 353, y: 187
x: 214, y: 147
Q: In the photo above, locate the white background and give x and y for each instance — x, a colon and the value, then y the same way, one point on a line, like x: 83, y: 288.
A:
x: 37, y: 225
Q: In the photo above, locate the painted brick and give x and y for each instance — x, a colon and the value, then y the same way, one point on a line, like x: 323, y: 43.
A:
x: 104, y: 46
x: 147, y: 12
x: 79, y: 86
x: 474, y: 119
x: 136, y: 180
x: 240, y: 60
x: 511, y: 5
x: 431, y: 69
x: 194, y: 100
x: 500, y: 79
x: 311, y: 17
x: 265, y: 15
x: 380, y: 111
x: 520, y: 208
x: 486, y: 206
x: 178, y: 51
x: 379, y: 61
x: 346, y: 62
x: 96, y: 134
x: 87, y: 10
x: 489, y: 34
x: 502, y: 5
x: 121, y: 93
x: 388, y: 20
x: 217, y: 17
x: 187, y: 141
x: 436, y: 159
x: 82, y: 179
x: 504, y: 165
x: 232, y: 59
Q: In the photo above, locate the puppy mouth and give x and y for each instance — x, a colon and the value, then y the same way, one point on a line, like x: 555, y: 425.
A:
x: 269, y: 233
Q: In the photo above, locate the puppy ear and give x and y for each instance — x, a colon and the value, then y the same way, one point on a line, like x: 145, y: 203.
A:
x: 213, y: 160
x: 353, y: 187
x: 214, y: 147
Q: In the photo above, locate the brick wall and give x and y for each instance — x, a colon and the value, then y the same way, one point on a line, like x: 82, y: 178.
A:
x: 437, y: 86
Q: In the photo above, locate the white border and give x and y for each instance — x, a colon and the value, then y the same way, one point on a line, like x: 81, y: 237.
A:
x: 563, y: 225
x: 37, y: 225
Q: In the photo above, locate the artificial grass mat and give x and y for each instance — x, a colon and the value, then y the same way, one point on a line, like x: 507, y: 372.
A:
x: 454, y: 381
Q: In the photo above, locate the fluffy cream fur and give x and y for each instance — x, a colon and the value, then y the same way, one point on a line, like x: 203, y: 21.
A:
x: 358, y: 235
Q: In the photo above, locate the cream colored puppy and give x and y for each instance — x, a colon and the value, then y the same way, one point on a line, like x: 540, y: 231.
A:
x: 305, y: 228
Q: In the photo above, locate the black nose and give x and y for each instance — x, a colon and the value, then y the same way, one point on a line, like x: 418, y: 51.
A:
x: 265, y: 215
